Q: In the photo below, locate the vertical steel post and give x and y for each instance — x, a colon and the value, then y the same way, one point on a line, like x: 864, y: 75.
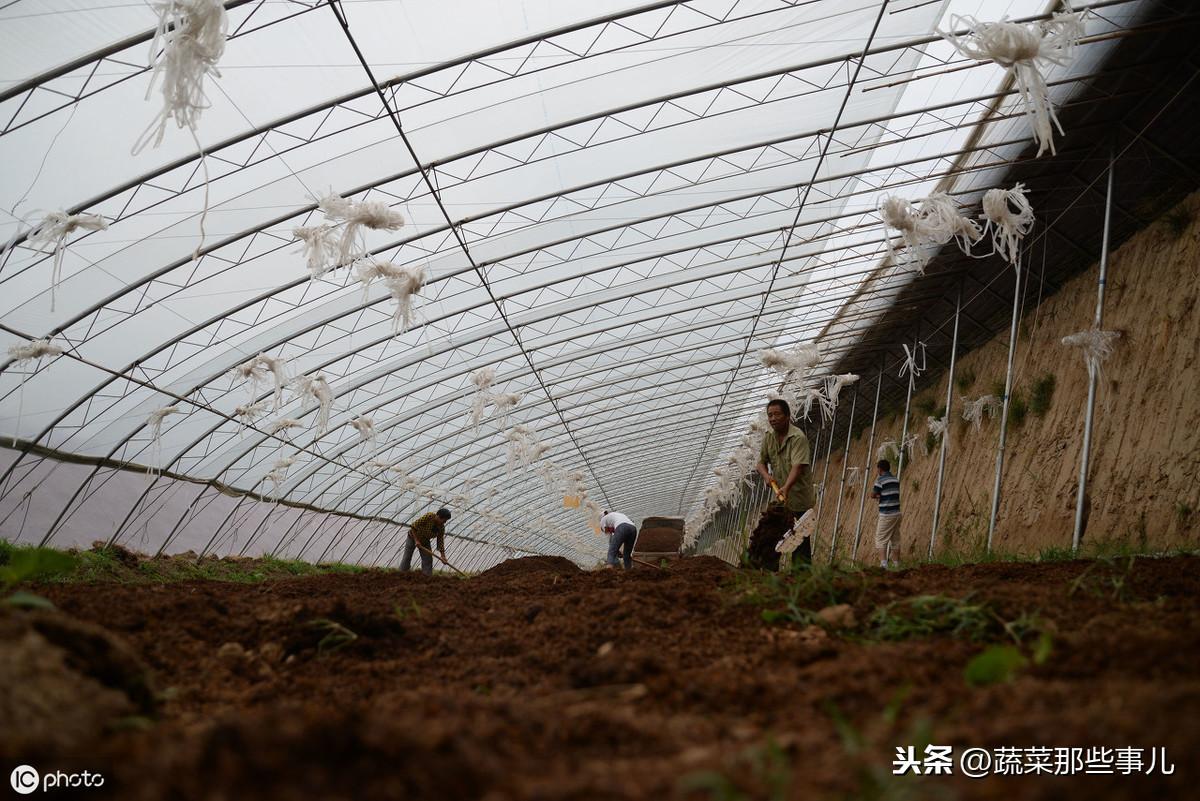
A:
x: 937, y: 495
x: 862, y: 500
x: 1093, y: 376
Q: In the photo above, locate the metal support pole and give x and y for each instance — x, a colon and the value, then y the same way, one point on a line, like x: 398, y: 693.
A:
x: 907, y: 404
x: 1093, y: 376
x: 1012, y: 348
x: 862, y: 499
x: 937, y: 494
x: 837, y: 515
x: 824, y: 482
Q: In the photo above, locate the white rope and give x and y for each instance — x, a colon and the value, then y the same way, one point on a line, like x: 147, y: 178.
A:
x: 51, y: 235
x: 1009, y: 217
x: 974, y: 410
x: 1027, y: 52
x: 1096, y: 346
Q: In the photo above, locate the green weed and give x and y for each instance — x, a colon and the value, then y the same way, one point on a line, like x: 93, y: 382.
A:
x: 1041, y: 395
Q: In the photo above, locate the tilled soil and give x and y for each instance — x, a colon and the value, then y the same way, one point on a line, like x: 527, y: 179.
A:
x: 538, y: 680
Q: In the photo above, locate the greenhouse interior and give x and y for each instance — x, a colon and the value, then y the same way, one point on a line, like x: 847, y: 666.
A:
x: 689, y: 399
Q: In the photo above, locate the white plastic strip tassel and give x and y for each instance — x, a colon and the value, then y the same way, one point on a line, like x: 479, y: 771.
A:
x: 1009, y: 217
x: 937, y: 426
x: 247, y: 413
x: 909, y: 443
x: 283, y: 426
x: 317, y: 389
x: 154, y: 422
x: 404, y: 287
x: 934, y: 222
x: 503, y: 403
x: 910, y: 360
x: 888, y: 450
x: 188, y: 43
x: 899, y: 214
x: 320, y: 248
x: 367, y: 271
x: 1096, y: 345
x: 279, y: 473
x: 974, y: 410
x: 834, y: 385
x: 252, y: 372
x: 365, y: 427
x: 22, y: 355
x: 1026, y: 51
x: 357, y: 215
x: 51, y: 235
x: 277, y: 367
x: 852, y: 475
x: 813, y: 395
x: 482, y: 379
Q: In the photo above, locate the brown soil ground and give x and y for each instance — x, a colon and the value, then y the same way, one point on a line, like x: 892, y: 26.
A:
x: 537, y: 680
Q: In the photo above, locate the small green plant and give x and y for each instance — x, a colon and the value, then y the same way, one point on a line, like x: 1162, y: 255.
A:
x: 916, y: 485
x: 759, y: 772
x: 1018, y: 408
x: 965, y: 379
x: 31, y: 564
x: 925, y: 406
x: 1041, y: 395
x: 993, y: 665
x: 927, y: 615
x: 998, y: 388
x: 1178, y: 220
x: 336, y: 635
x: 1183, y: 512
x: 931, y: 442
x: 405, y: 612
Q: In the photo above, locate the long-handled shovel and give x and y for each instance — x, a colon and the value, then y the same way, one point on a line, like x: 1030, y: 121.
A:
x: 440, y: 558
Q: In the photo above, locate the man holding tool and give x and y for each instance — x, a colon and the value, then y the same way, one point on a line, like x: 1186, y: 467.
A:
x: 785, y: 450
x: 420, y: 534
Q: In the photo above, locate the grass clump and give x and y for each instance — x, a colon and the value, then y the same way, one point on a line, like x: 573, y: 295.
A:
x: 1041, y: 395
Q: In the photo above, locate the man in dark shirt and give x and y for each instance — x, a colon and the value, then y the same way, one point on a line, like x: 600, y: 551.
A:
x: 420, y: 535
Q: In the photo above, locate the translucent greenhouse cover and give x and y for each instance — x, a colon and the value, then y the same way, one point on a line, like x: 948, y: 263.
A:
x: 618, y: 206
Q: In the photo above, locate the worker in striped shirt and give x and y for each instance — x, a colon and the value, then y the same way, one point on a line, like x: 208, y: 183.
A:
x: 887, y: 532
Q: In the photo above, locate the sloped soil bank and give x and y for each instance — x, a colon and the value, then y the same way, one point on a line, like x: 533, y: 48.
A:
x: 536, y: 680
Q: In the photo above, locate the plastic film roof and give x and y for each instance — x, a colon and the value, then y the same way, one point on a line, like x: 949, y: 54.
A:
x: 618, y: 206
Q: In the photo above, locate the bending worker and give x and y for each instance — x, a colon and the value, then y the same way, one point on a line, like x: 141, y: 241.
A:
x: 420, y: 534
x: 622, y: 533
x: 785, y: 450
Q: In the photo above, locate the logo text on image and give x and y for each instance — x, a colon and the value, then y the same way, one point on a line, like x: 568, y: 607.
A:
x: 25, y: 779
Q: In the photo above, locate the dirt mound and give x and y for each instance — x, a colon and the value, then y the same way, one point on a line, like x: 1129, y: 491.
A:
x: 64, y: 682
x: 527, y: 565
x: 564, y: 685
x: 660, y: 535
